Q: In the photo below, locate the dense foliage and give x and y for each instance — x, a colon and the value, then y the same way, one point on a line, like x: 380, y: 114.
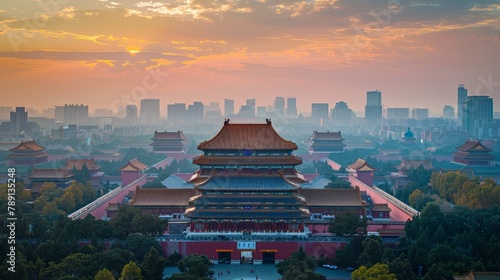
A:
x: 299, y: 266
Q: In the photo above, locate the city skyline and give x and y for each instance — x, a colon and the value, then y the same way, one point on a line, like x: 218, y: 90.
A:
x: 111, y: 54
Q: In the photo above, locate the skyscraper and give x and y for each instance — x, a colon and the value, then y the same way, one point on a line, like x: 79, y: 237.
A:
x: 320, y: 113
x: 131, y: 112
x: 462, y: 94
x: 18, y: 120
x: 150, y: 110
x: 397, y: 113
x: 373, y: 108
x: 448, y: 112
x: 74, y: 114
x: 196, y: 112
x: 228, y: 107
x: 176, y: 113
x: 251, y: 104
x: 279, y: 106
x: 476, y: 108
x: 419, y: 113
x: 291, y: 107
x: 341, y: 114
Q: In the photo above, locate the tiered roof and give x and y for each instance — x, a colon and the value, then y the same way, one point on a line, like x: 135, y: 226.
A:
x: 28, y: 146
x: 361, y: 165
x: 247, y: 160
x: 333, y: 197
x: 335, y: 136
x: 134, y: 165
x: 166, y: 135
x: 473, y: 145
x: 78, y: 164
x: 472, y: 150
x: 247, y: 137
x: 243, y: 182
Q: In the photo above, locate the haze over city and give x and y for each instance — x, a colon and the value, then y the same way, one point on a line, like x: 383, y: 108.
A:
x: 98, y: 52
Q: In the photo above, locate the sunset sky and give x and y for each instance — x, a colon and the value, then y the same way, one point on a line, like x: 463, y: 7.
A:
x: 108, y: 54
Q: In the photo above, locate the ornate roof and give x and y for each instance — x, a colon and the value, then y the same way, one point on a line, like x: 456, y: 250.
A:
x: 248, y: 214
x: 247, y: 199
x: 165, y: 135
x: 133, y: 165
x: 161, y: 197
x: 361, y: 165
x: 221, y: 182
x: 318, y: 135
x: 247, y: 137
x: 333, y: 197
x: 407, y: 164
x: 78, y: 164
x: 247, y: 160
x: 473, y: 145
x: 28, y: 146
x: 408, y: 133
x: 50, y: 173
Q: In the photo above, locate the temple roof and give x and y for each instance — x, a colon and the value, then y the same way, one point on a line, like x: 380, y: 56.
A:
x: 50, y: 173
x: 247, y: 160
x: 361, y: 165
x: 408, y: 133
x: 221, y: 182
x: 161, y: 197
x: 247, y: 137
x: 318, y: 135
x: 473, y: 145
x: 133, y: 165
x: 78, y: 164
x: 28, y: 146
x: 333, y: 197
x: 247, y: 214
x: 113, y: 206
x: 165, y: 135
x: 382, y: 207
x: 247, y: 200
x: 407, y: 164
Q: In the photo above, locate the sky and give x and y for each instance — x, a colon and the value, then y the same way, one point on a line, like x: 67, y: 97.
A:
x: 108, y: 54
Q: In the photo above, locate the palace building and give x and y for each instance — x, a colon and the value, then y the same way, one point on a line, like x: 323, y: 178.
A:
x: 473, y: 152
x: 247, y: 182
x: 169, y: 142
x: 27, y: 153
x: 325, y: 142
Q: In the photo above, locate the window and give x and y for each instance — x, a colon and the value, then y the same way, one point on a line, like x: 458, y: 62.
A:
x: 199, y: 226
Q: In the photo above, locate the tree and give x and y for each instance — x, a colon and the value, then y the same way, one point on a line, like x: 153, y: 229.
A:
x: 104, y: 274
x: 437, y: 273
x: 377, y: 272
x: 131, y: 272
x: 298, y: 266
x: 140, y: 245
x: 402, y: 269
x: 174, y: 259
x: 372, y: 251
x: 152, y: 266
x: 348, y: 223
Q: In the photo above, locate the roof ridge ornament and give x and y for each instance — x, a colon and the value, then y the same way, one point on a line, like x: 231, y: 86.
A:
x: 226, y: 121
x: 268, y: 121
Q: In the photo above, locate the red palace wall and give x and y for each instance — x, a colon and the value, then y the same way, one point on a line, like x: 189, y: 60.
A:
x: 282, y: 249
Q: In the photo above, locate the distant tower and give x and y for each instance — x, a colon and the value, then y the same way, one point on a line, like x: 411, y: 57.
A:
x: 373, y: 108
x: 291, y: 107
x: 228, y: 107
x: 462, y: 94
x: 150, y: 110
x: 474, y: 109
x: 131, y: 112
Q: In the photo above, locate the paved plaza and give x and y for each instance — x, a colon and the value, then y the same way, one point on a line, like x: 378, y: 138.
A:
x: 257, y: 272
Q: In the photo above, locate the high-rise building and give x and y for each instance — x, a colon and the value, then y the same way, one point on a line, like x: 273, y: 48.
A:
x: 18, y: 120
x: 291, y: 107
x: 397, y: 113
x: 59, y: 114
x: 150, y: 110
x: 341, y: 114
x: 251, y: 104
x: 228, y: 107
x: 131, y: 112
x: 475, y: 109
x: 448, y: 112
x: 320, y: 113
x: 261, y: 111
x: 5, y: 113
x: 176, y: 113
x: 462, y: 94
x: 419, y: 113
x: 373, y: 108
x: 75, y: 114
x: 279, y: 106
x: 195, y: 112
